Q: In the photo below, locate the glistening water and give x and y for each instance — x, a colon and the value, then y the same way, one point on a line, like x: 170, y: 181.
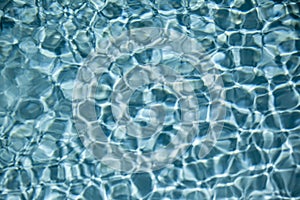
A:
x: 149, y: 99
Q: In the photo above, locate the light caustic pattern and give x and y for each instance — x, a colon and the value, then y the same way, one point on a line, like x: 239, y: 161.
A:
x: 135, y: 99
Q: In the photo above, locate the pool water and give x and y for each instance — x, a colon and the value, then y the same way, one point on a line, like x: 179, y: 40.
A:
x: 150, y: 99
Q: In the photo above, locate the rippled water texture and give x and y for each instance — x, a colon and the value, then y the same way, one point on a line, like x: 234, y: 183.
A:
x: 150, y: 99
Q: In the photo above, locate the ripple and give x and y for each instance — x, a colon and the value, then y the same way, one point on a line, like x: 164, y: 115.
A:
x: 148, y: 117
x: 249, y: 48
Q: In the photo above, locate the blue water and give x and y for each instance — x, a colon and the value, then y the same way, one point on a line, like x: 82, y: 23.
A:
x: 151, y: 99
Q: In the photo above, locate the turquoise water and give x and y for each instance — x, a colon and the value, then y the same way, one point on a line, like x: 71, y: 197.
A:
x: 149, y: 99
